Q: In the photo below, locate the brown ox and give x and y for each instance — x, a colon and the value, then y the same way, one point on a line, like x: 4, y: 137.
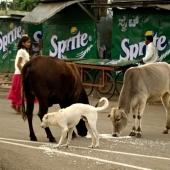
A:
x: 147, y: 83
x: 52, y: 81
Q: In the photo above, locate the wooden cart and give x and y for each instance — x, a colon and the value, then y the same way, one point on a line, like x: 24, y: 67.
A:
x: 103, y: 75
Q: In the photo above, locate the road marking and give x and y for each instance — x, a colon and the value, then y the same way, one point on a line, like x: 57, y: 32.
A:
x: 125, y: 153
x: 86, y: 148
x: 77, y: 155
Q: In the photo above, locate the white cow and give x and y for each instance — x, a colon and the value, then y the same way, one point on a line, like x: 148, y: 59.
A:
x: 142, y: 84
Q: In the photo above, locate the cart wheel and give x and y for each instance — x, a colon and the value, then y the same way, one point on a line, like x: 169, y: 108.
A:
x: 108, y: 89
x: 87, y: 78
x: 119, y: 82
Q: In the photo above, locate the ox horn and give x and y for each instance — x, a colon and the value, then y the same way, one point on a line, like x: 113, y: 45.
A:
x: 124, y: 115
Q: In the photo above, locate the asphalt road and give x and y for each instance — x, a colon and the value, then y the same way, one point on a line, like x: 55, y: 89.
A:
x: 17, y: 152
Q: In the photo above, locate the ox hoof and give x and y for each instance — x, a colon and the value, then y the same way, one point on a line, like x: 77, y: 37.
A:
x: 138, y: 135
x: 33, y: 138
x: 114, y: 135
x: 165, y: 132
x: 132, y: 134
x: 52, y: 140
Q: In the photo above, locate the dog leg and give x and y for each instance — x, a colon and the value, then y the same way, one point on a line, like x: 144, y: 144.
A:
x: 70, y: 131
x: 63, y: 136
x: 92, y: 135
x: 75, y: 131
x: 94, y: 131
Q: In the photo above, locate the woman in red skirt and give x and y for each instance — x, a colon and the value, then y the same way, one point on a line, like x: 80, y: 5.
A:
x: 22, y: 57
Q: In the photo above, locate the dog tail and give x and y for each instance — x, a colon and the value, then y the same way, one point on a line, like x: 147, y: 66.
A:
x: 106, y: 104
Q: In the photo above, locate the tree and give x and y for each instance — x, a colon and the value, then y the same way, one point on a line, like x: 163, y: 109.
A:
x: 26, y: 5
x: 3, y: 5
x: 10, y: 5
x: 22, y: 5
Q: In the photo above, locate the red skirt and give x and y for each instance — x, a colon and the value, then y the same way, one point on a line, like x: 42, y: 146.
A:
x: 15, y: 91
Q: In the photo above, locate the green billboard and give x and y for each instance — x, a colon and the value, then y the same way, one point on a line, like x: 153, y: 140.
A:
x: 35, y: 33
x: 70, y: 40
x: 10, y: 31
x: 129, y: 27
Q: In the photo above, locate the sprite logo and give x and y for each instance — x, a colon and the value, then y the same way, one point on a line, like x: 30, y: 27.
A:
x: 11, y: 36
x: 76, y: 41
x: 132, y: 51
x: 74, y: 30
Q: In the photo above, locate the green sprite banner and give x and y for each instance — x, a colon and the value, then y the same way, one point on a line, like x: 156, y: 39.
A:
x: 10, y: 31
x: 70, y: 40
x: 129, y: 29
x: 35, y: 33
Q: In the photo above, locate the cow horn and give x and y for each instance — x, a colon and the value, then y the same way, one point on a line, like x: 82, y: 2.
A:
x: 124, y: 115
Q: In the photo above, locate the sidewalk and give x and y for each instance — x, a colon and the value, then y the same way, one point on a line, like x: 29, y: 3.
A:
x: 5, y: 81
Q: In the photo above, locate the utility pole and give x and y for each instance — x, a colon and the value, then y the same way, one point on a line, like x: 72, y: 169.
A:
x: 13, y: 4
x: 6, y: 7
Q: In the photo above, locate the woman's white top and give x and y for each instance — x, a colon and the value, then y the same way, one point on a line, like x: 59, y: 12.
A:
x: 25, y: 57
x: 151, y: 54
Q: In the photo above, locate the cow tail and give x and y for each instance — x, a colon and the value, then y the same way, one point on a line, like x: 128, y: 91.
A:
x: 23, y: 74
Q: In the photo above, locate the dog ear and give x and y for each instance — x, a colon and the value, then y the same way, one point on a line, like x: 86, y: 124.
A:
x: 46, y: 116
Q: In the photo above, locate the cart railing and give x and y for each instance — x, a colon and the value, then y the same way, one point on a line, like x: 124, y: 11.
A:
x: 103, y: 81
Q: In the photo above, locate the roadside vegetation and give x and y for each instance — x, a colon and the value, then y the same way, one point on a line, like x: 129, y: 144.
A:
x: 20, y: 5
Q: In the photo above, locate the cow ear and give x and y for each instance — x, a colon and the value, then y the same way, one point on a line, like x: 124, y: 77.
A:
x: 46, y: 116
x: 112, y: 112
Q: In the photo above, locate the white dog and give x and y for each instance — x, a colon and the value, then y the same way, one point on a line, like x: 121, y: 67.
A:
x: 69, y: 117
